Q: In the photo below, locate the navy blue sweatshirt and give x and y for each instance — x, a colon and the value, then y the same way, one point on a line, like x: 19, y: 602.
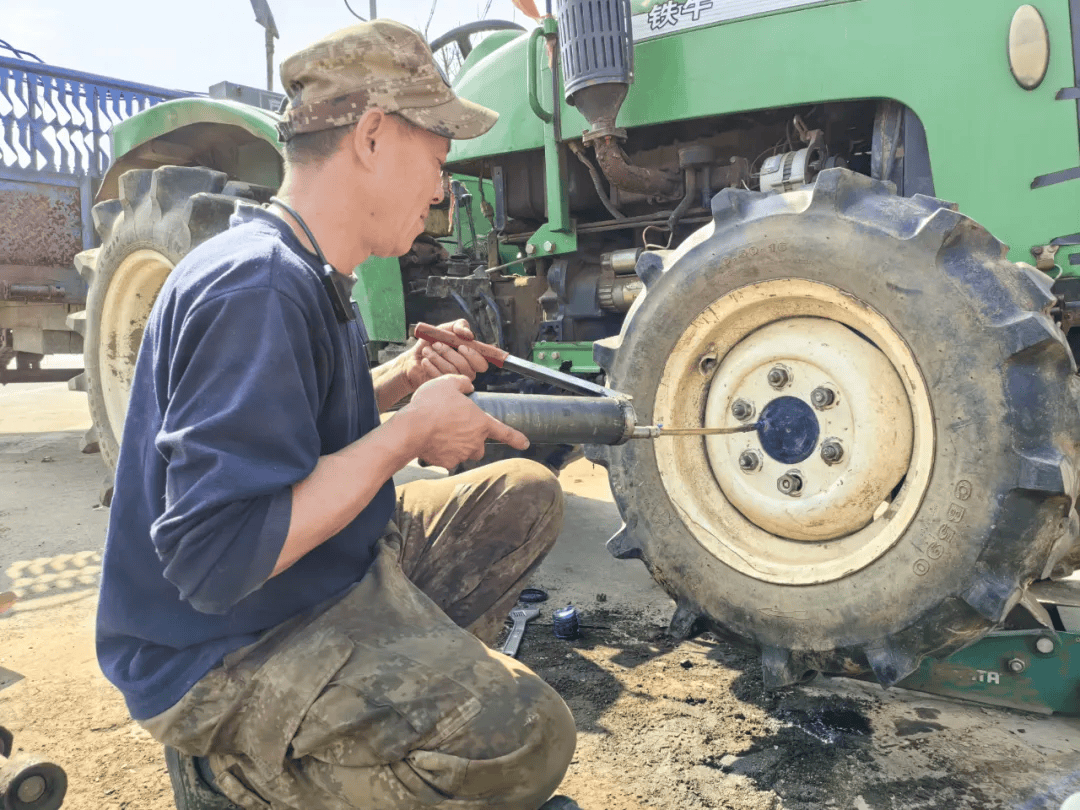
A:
x: 244, y: 379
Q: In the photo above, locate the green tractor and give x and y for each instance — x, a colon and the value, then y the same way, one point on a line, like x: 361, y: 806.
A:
x: 734, y: 212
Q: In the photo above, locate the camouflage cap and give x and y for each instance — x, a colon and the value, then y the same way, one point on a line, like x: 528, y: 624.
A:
x: 381, y: 64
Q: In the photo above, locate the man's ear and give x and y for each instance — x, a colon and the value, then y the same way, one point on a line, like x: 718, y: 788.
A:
x: 369, y: 136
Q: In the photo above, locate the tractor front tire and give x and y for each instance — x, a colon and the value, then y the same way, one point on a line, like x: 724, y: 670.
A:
x: 160, y: 216
x: 913, y: 470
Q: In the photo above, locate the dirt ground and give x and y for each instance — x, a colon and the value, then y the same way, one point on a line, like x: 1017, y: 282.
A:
x: 661, y: 725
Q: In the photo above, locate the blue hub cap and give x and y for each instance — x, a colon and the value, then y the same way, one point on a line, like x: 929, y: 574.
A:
x: 788, y: 430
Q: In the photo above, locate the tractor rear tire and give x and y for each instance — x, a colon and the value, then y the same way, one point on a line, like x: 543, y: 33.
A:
x: 910, y: 314
x: 160, y: 216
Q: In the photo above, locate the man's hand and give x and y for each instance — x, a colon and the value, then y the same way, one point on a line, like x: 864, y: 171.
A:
x: 424, y: 362
x: 428, y: 361
x: 454, y: 428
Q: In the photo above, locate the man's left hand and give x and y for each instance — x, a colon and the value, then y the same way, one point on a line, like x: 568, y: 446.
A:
x: 426, y: 361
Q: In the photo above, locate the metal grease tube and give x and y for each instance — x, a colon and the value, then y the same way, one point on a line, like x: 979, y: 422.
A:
x: 562, y: 420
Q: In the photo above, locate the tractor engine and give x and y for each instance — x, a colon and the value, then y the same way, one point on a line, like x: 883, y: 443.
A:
x: 647, y: 192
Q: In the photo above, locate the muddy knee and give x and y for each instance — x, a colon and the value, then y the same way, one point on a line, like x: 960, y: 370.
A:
x: 519, y: 746
x: 533, y: 484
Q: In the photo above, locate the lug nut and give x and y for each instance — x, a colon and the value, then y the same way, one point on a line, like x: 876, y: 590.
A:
x: 1016, y: 665
x: 779, y: 377
x: 749, y: 461
x: 742, y: 410
x: 832, y: 452
x: 1045, y: 645
x: 790, y: 484
x: 822, y: 398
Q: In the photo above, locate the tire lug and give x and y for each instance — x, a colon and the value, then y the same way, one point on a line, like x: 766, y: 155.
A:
x: 822, y: 398
x: 790, y: 484
x: 779, y: 377
x: 832, y: 452
x: 750, y: 461
x: 742, y: 410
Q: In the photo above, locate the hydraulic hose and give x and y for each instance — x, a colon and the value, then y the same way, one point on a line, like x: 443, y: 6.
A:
x: 595, y: 175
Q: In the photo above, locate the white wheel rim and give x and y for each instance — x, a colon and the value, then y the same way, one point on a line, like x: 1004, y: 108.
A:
x: 845, y: 519
x: 868, y: 425
x: 134, y: 288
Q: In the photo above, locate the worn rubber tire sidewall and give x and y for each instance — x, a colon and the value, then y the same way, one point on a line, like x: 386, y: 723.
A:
x: 158, y: 214
x: 110, y: 259
x: 947, y: 321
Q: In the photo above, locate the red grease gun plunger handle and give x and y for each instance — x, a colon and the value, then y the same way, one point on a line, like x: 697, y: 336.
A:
x: 503, y: 359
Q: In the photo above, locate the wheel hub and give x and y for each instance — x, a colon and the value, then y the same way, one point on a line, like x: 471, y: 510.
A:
x: 825, y: 470
x: 788, y: 430
x: 845, y: 440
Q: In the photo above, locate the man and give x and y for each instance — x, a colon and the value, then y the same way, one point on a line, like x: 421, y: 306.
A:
x: 266, y: 600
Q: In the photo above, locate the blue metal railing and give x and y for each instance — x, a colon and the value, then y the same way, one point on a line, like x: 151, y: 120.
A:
x: 55, y: 120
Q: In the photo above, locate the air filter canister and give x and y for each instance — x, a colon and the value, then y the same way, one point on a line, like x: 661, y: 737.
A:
x: 596, y: 43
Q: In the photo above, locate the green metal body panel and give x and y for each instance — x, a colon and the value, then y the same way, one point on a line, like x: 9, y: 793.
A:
x: 381, y: 297
x: 1046, y: 683
x: 488, y: 45
x: 988, y: 138
x: 172, y: 115
x: 556, y: 355
x: 557, y: 235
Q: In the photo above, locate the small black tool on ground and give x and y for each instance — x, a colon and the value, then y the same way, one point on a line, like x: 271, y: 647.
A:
x: 532, y: 596
x: 564, y: 623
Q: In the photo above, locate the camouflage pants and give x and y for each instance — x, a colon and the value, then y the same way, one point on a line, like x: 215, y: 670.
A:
x: 381, y: 700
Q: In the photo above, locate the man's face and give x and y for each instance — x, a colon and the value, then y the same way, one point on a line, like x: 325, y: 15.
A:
x: 410, y: 182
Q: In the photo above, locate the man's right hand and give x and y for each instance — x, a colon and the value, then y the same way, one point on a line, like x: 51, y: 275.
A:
x: 451, y: 428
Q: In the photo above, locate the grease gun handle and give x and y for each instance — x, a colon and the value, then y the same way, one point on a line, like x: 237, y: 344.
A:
x: 503, y: 359
x: 433, y: 334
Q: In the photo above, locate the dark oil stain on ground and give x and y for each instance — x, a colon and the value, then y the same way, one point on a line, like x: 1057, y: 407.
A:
x: 822, y: 749
x: 929, y: 792
x: 828, y: 724
x: 905, y: 728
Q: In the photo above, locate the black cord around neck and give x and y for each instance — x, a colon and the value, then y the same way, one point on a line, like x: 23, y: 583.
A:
x: 303, y: 225
x: 339, y: 299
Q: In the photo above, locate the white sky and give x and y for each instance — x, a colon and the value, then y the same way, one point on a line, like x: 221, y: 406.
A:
x: 192, y: 44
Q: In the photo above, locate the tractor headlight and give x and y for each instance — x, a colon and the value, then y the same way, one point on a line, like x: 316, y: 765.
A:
x: 1029, y: 47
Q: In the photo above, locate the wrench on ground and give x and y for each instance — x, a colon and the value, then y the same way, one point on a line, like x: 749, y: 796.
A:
x: 520, y: 616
